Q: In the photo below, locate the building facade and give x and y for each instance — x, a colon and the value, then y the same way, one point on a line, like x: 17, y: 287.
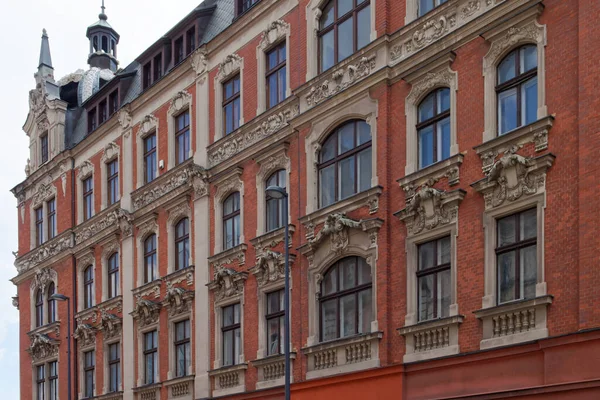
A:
x: 440, y: 158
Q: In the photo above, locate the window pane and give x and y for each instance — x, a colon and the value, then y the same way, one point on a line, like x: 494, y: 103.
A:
x: 506, y: 231
x: 327, y: 15
x: 426, y: 260
x: 506, y: 69
x: 443, y: 100
x: 228, y: 348
x: 346, y: 138
x: 363, y: 34
x: 364, y: 169
x: 506, y: 276
x: 528, y: 224
x: 236, y: 313
x: 529, y: 102
x: 329, y: 319
x: 364, y: 272
x: 365, y: 311
x: 528, y: 58
x: 273, y: 336
x: 281, y: 84
x: 236, y: 349
x: 327, y: 188
x: 327, y: 51
x: 363, y: 132
x: 443, y: 294
x: 272, y: 57
x: 444, y: 250
x: 347, y: 269
x: 507, y: 110
x: 272, y: 87
x: 236, y: 227
x: 443, y: 145
x: 328, y: 149
x: 345, y: 39
x: 348, y: 315
x: 228, y: 316
x: 343, y: 7
x: 425, y: 6
x: 426, y: 146
x: 272, y: 214
x: 346, y: 173
x: 426, y: 297
x: 236, y: 114
x: 330, y: 282
x: 528, y: 264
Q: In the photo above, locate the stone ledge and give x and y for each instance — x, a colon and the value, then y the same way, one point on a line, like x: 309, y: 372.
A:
x: 230, y: 255
x: 431, y: 339
x: 229, y: 380
x: 271, y: 370
x: 181, y: 387
x: 446, y: 168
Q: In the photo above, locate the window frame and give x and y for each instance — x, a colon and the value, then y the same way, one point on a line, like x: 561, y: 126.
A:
x: 39, y: 225
x: 434, y: 121
x: 231, y: 328
x: 436, y: 4
x: 153, y: 253
x: 337, y: 21
x: 112, y: 181
x: 39, y: 308
x: 147, y: 154
x: 186, y: 133
x: 279, y: 173
x: 231, y: 216
x: 89, y: 371
x: 51, y: 303
x: 185, y: 239
x: 114, y: 363
x: 231, y: 100
x: 53, y: 380
x: 51, y: 218
x: 113, y: 266
x: 186, y: 343
x: 150, y: 352
x: 44, y: 147
x: 40, y: 381
x: 435, y: 271
x: 277, y: 315
x: 275, y: 71
x: 240, y: 4
x: 88, y: 197
x: 88, y: 287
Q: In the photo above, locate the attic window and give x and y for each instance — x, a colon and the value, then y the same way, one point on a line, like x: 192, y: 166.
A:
x: 191, y: 40
x: 92, y: 120
x: 113, y: 102
x: 147, y: 75
x: 105, y: 44
x: 179, y: 50
x: 103, y: 111
x: 244, y: 5
x: 158, y: 67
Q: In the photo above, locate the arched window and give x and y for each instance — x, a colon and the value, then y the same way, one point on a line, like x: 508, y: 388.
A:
x: 150, y: 260
x: 433, y: 127
x: 105, y: 44
x: 113, y: 276
x: 275, y: 206
x: 344, y: 28
x: 39, y: 308
x: 345, y: 162
x: 516, y: 89
x: 88, y: 287
x: 346, y: 299
x: 231, y: 221
x: 51, y: 303
x: 182, y: 244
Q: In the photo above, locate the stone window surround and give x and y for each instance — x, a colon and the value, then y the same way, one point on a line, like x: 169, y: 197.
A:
x: 176, y: 213
x: 424, y: 80
x: 148, y: 125
x: 32, y: 292
x: 81, y: 366
x: 38, y: 201
x: 106, y: 343
x: 155, y: 326
x: 145, y: 229
x: 227, y: 185
x: 231, y: 66
x: 45, y: 363
x: 278, y: 32
x: 83, y: 261
x: 363, y: 108
x: 522, y: 29
x: 84, y: 171
x: 111, y: 153
x: 180, y: 103
x: 172, y: 355
x: 313, y: 15
x: 218, y: 310
x: 109, y: 247
x: 270, y: 162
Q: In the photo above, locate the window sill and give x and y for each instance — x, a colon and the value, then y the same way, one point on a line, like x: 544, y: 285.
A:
x: 149, y: 391
x: 237, y: 253
x: 53, y: 327
x: 369, y: 198
x: 431, y: 339
x: 229, y: 380
x: 271, y: 370
x: 180, y: 387
x: 110, y: 396
x: 344, y: 355
x: 536, y: 133
x: 272, y: 238
x: 448, y: 168
x: 515, y: 322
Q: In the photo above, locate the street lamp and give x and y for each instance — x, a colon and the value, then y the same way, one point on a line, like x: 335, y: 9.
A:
x: 279, y: 193
x: 62, y: 297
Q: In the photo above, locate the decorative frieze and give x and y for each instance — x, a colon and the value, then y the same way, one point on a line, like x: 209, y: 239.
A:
x: 43, y: 193
x: 341, y: 79
x: 43, y: 278
x: 243, y: 138
x: 227, y: 283
x: 44, y: 252
x: 116, y: 218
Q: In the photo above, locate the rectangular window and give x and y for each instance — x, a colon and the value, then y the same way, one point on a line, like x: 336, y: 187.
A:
x: 433, y: 277
x: 231, y: 334
x: 191, y: 40
x: 147, y: 75
x: 113, y: 102
x: 44, y: 147
x: 114, y: 367
x: 182, y: 137
x: 427, y: 5
x: 40, y: 382
x: 88, y: 198
x: 112, y: 173
x: 150, y: 357
x: 179, y: 50
x: 516, y: 256
x: 276, y: 75
x: 182, y: 348
x: 275, y: 322
x: 245, y: 5
x: 39, y: 226
x: 157, y: 67
x: 231, y: 104
x: 51, y: 207
x: 103, y: 107
x: 150, y: 158
x: 89, y: 366
x: 53, y: 380
x: 92, y: 123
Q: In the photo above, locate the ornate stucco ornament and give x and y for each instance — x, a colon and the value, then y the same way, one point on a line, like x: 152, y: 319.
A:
x: 199, y: 61
x: 43, y: 278
x: 37, y: 100
x: 269, y: 267
x: 276, y: 31
x: 146, y: 312
x: 110, y: 324
x: 336, y: 228
x: 42, y: 346
x: 231, y: 64
x: 15, y: 302
x: 125, y: 117
x: 41, y: 254
x: 85, y: 334
x: 227, y: 283
x: 119, y: 217
x: 177, y: 300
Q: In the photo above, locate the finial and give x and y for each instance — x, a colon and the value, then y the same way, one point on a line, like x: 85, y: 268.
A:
x: 102, y: 14
x: 44, y: 33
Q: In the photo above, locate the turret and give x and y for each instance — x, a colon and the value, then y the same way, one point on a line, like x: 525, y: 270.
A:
x: 103, y: 43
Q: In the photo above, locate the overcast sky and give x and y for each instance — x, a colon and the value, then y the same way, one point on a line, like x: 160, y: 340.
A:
x: 140, y: 23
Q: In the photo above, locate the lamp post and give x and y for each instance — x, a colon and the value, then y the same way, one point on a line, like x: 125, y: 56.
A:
x: 279, y: 193
x: 62, y: 297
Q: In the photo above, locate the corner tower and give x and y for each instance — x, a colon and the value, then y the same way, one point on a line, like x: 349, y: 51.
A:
x: 103, y: 43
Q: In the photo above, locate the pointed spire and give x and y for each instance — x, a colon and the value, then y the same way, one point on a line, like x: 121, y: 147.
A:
x: 45, y: 58
x: 103, y: 15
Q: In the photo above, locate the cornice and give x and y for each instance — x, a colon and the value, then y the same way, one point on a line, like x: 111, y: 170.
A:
x: 44, y: 255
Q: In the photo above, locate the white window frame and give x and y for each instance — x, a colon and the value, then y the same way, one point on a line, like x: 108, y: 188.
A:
x: 145, y: 229
x: 179, y: 104
x: 176, y: 214
x: 85, y: 170
x: 270, y: 162
x: 172, y: 321
x: 149, y: 125
x: 44, y: 194
x: 83, y: 261
x: 231, y: 66
x: 140, y: 336
x: 111, y: 153
x: 229, y: 184
x: 106, y: 358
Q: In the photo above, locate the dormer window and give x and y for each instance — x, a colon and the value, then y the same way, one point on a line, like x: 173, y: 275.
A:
x: 103, y: 111
x: 157, y: 67
x: 179, y: 50
x: 44, y: 147
x: 244, y: 5
x: 113, y: 102
x: 147, y: 77
x: 191, y: 40
x: 92, y: 124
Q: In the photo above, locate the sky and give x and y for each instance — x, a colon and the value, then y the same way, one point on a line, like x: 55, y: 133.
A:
x: 139, y: 22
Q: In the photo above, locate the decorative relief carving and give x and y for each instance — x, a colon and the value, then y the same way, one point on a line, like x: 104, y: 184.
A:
x: 430, y: 207
x: 470, y: 8
x: 85, y: 335
x: 42, y: 346
x: 199, y: 61
x: 336, y: 228
x: 231, y: 184
x: 43, y: 193
x: 276, y: 31
x: 125, y: 117
x: 237, y: 254
x: 110, y: 324
x: 85, y: 169
x: 43, y: 278
x: 182, y: 210
x: 177, y: 300
x: 111, y: 151
x: 182, y: 99
x: 231, y: 64
x: 38, y: 100
x: 272, y: 164
x: 192, y: 175
x: 146, y: 312
x: 147, y: 125
x: 341, y: 79
x: 63, y: 177
x: 242, y: 139
x: 41, y: 254
x: 227, y: 283
x: 428, y: 82
x: 147, y: 228
x: 269, y: 267
x: 531, y: 32
x: 430, y: 31
x: 15, y: 302
x: 110, y: 248
x: 28, y: 167
x: 117, y: 218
